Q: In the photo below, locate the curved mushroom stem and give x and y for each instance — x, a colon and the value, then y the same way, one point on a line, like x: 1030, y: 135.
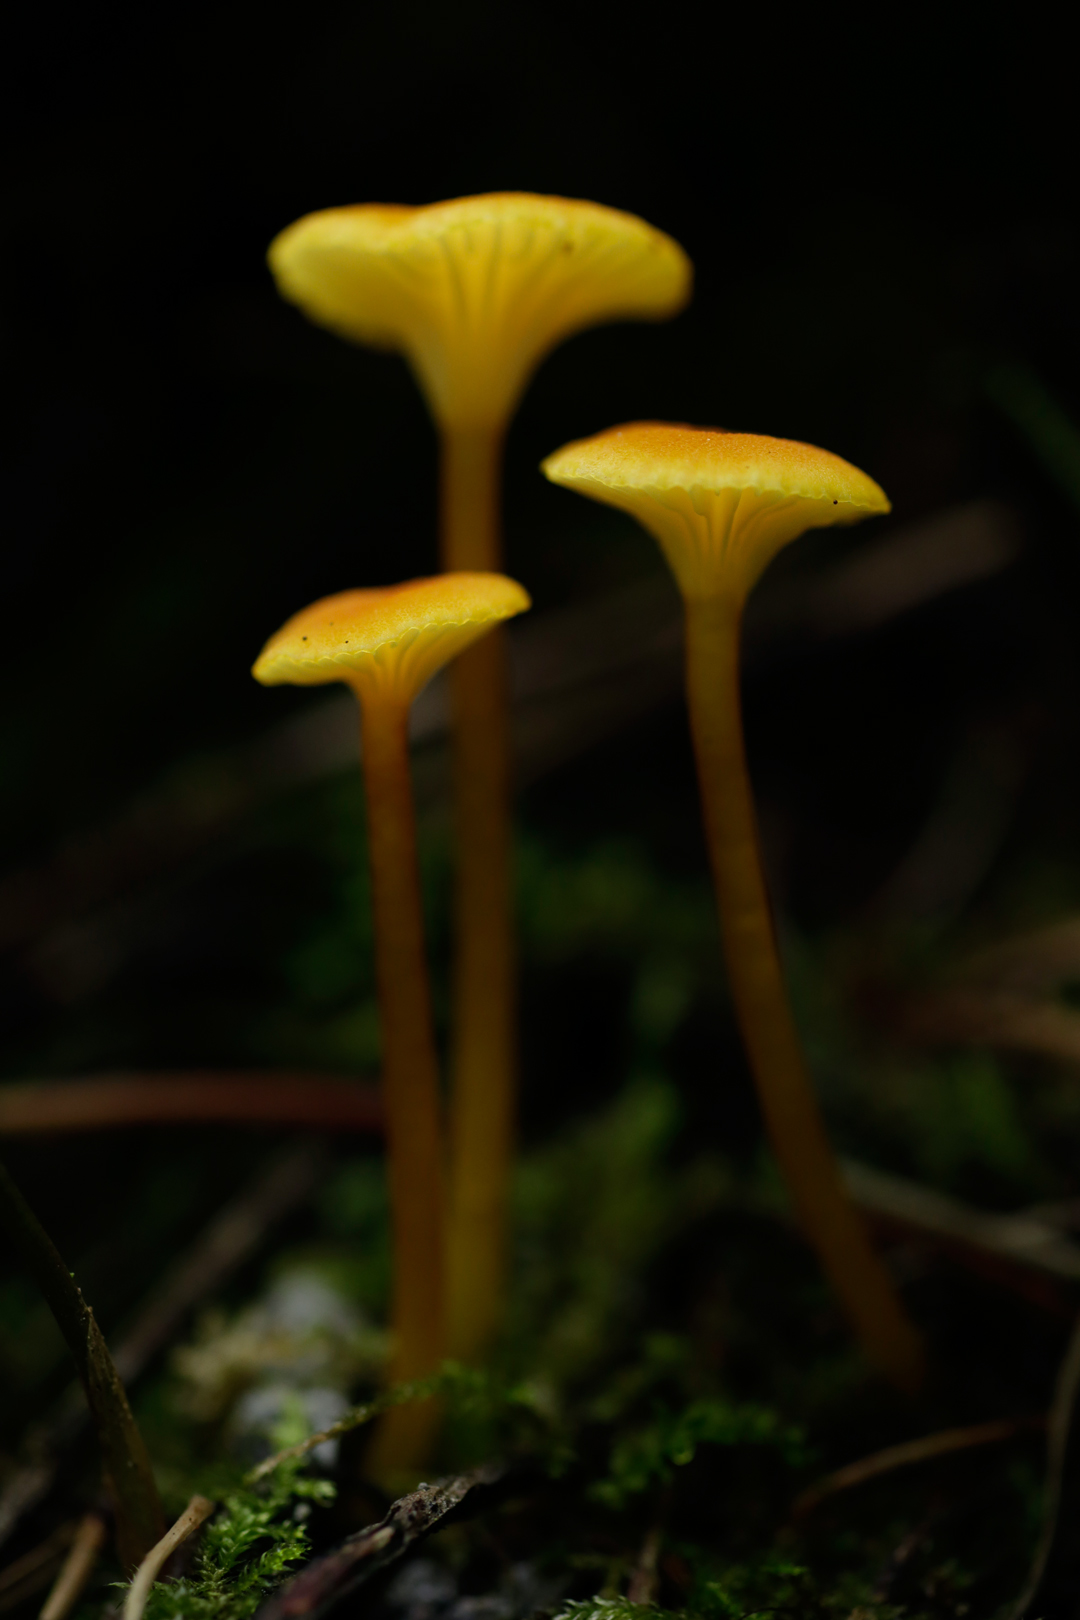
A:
x: 410, y: 1083
x: 483, y: 1059
x: 792, y: 1117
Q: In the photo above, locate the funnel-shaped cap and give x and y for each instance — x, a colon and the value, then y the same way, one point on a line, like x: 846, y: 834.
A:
x: 720, y: 504
x: 476, y: 291
x: 387, y: 643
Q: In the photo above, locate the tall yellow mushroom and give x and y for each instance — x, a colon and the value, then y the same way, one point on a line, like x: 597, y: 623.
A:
x: 721, y: 506
x: 474, y: 293
x: 387, y: 644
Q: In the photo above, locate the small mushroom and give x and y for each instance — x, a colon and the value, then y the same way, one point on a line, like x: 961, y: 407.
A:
x: 474, y: 293
x: 721, y: 506
x: 387, y: 644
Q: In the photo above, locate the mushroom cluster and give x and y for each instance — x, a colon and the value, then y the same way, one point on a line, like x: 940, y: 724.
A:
x: 474, y: 293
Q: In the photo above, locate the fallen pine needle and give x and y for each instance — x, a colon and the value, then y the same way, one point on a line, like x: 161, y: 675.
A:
x: 420, y: 1389
x: 76, y: 1569
x: 32, y: 1572
x: 1058, y: 1427
x: 911, y: 1451
x: 197, y: 1512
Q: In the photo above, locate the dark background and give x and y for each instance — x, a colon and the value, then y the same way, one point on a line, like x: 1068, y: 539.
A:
x: 881, y: 208
x: 875, y: 212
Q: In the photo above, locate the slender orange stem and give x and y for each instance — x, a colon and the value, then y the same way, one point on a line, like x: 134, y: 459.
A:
x: 470, y: 488
x: 790, y: 1108
x: 410, y: 1083
x: 483, y: 1057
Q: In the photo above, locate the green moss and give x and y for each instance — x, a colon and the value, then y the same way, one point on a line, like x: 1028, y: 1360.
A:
x: 648, y: 1456
x: 248, y: 1548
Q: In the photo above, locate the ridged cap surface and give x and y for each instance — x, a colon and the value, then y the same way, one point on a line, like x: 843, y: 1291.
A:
x: 720, y: 504
x: 476, y: 291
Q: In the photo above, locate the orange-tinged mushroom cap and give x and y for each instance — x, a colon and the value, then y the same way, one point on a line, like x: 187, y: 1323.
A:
x: 476, y: 291
x: 720, y: 504
x: 387, y: 642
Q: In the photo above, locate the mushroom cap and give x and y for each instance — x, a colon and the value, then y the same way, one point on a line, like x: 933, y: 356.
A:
x: 720, y: 504
x: 476, y: 291
x: 387, y: 643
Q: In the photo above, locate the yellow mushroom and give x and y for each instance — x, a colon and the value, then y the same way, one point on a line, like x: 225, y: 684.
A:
x: 721, y: 506
x: 474, y: 293
x: 387, y: 644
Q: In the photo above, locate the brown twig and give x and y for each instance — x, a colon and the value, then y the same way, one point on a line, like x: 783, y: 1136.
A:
x: 1004, y: 995
x: 1029, y: 964
x: 899, y: 1558
x: 1019, y: 1249
x: 644, y: 1577
x: 910, y: 1452
x: 326, y: 1580
x: 1057, y: 1439
x: 971, y: 1016
x: 231, y: 1237
x: 420, y: 1389
x: 77, y: 1567
x: 196, y: 1513
x: 125, y: 1461
x: 34, y: 1570
x: 101, y: 1102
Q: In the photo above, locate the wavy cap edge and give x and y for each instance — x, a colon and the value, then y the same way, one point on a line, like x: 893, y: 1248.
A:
x: 411, y: 648
x: 674, y: 455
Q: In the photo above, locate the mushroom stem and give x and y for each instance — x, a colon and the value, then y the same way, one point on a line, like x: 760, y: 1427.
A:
x: 410, y: 1079
x: 482, y: 1055
x: 791, y: 1112
x: 470, y: 476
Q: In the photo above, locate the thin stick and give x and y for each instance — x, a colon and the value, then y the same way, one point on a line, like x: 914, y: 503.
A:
x: 410, y: 1081
x: 1057, y: 1440
x: 1021, y: 1241
x: 224, y: 1244
x: 482, y: 1056
x: 234, y: 1233
x: 128, y: 1475
x: 33, y: 1571
x: 792, y: 1116
x: 912, y: 1451
x: 1008, y: 1019
x: 197, y: 1512
x: 38, y: 1107
x: 329, y: 1578
x: 420, y: 1390
x: 644, y: 1578
x: 77, y: 1568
